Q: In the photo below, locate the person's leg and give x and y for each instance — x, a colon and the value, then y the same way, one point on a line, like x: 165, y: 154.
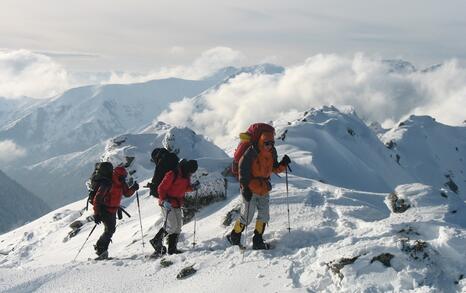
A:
x: 109, y: 221
x: 157, y: 241
x: 263, y: 216
x: 248, y: 209
x: 173, y: 237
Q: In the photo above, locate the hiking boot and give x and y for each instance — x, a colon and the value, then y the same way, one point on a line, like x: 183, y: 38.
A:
x: 258, y: 242
x: 172, y: 243
x: 99, y: 250
x: 234, y: 238
x: 157, y: 242
x: 103, y: 255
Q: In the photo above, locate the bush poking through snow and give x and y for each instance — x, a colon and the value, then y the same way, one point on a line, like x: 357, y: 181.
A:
x: 337, y: 266
x: 384, y: 258
x: 397, y: 205
x: 408, y: 231
x: 416, y: 249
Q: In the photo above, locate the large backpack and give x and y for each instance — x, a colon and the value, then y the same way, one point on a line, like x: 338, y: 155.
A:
x: 102, y: 174
x: 166, y: 161
x: 248, y: 138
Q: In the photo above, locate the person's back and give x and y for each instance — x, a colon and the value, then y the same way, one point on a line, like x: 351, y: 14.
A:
x: 165, y: 161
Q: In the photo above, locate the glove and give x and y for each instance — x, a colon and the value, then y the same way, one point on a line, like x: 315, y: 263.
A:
x: 135, y: 186
x: 97, y: 219
x: 247, y: 194
x: 285, y: 160
x: 167, y: 205
x: 196, y: 185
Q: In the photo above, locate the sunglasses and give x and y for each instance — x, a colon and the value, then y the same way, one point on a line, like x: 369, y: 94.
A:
x: 269, y: 143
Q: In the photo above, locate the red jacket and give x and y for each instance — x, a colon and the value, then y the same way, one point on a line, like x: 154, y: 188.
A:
x: 110, y: 197
x: 174, y: 190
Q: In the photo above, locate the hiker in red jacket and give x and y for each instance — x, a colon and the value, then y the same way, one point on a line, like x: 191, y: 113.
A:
x: 106, y: 204
x: 171, y: 192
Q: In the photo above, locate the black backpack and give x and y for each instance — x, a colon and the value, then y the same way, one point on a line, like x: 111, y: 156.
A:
x: 102, y: 174
x: 165, y: 161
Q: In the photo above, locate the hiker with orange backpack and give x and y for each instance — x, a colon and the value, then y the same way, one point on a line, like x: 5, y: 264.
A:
x: 256, y: 160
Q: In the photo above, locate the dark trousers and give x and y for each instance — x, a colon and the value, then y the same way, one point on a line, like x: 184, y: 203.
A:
x: 109, y: 221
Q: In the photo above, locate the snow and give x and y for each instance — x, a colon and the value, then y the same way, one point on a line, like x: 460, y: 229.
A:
x: 345, y: 235
x: 371, y: 209
x: 327, y: 224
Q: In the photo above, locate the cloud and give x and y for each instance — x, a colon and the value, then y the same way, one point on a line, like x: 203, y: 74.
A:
x: 205, y: 65
x: 177, y: 50
x: 24, y: 73
x: 9, y: 151
x: 360, y: 81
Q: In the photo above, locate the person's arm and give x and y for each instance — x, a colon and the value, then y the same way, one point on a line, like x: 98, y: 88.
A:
x: 280, y: 167
x: 165, y: 185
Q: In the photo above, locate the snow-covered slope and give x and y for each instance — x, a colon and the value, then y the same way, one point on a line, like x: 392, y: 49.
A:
x: 340, y: 241
x: 17, y: 205
x: 433, y: 153
x: 60, y: 180
x: 84, y: 116
x: 12, y: 109
x: 338, y: 148
x: 360, y: 220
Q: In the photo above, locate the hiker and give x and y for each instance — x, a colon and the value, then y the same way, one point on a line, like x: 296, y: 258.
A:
x: 255, y: 167
x: 171, y: 193
x: 106, y: 204
x: 165, y: 161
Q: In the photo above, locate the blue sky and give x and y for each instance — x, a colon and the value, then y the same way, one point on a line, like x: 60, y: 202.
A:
x: 142, y: 35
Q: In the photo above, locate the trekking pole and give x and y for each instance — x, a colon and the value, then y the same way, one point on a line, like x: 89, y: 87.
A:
x: 287, y: 201
x: 195, y: 209
x: 84, y: 242
x: 246, y: 234
x: 140, y: 221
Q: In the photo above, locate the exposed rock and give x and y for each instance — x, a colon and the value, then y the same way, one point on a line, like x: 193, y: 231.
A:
x: 451, y: 184
x: 390, y: 145
x: 336, y: 266
x: 384, y: 258
x: 283, y: 135
x: 397, y: 205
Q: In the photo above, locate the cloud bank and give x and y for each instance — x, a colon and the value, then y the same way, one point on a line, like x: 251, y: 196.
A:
x: 208, y: 63
x: 9, y: 151
x: 360, y: 81
x: 24, y: 73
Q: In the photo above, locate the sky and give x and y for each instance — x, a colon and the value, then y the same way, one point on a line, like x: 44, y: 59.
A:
x: 331, y: 51
x: 142, y: 35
